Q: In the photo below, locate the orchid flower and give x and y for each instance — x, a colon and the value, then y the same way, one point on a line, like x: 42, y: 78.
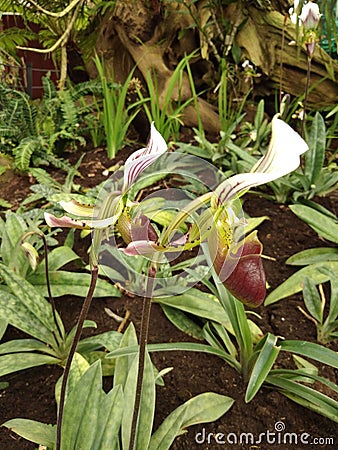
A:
x: 134, y: 166
x: 281, y: 158
x: 310, y: 16
x: 237, y: 260
x: 141, y: 159
x: 294, y: 12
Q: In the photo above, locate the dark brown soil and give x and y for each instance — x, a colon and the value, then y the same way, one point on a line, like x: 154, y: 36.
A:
x: 31, y: 392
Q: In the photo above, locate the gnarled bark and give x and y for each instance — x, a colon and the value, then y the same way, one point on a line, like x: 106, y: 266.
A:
x: 155, y: 35
x: 261, y: 42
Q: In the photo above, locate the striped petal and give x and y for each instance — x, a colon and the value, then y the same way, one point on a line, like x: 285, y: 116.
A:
x: 281, y: 158
x: 141, y: 159
x: 77, y: 209
x: 64, y: 222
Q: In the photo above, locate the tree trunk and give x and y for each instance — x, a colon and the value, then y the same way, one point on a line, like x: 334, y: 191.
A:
x: 155, y: 35
x: 261, y: 42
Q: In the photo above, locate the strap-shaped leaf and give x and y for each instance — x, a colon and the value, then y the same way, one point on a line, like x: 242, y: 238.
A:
x: 19, y: 361
x: 313, y: 255
x: 58, y: 257
x: 294, y: 283
x: 312, y: 300
x: 203, y: 408
x: 77, y: 369
x: 264, y: 362
x: 25, y: 345
x: 72, y: 283
x: 109, y: 422
x: 123, y: 364
x: 315, y: 157
x: 306, y: 396
x: 37, y: 432
x: 311, y: 350
x: 82, y: 410
x: 14, y: 228
x: 147, y: 404
x: 27, y: 309
x: 200, y: 304
x: 322, y: 224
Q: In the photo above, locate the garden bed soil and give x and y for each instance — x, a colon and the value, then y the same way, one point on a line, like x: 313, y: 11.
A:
x: 30, y: 393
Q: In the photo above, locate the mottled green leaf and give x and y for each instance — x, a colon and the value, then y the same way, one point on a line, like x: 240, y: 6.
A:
x: 37, y: 432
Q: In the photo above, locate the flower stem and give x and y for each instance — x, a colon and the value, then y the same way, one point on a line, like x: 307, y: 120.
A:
x: 141, y: 356
x: 307, y: 85
x: 50, y: 297
x: 81, y: 319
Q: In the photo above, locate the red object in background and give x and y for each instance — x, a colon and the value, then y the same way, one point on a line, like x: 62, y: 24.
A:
x: 35, y: 65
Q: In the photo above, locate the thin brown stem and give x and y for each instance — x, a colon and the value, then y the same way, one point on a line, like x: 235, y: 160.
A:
x: 307, y: 86
x: 141, y: 357
x: 50, y: 296
x: 78, y: 332
x: 281, y: 62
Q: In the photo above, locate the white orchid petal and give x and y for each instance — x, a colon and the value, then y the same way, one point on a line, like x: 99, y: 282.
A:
x: 144, y: 247
x: 102, y: 223
x: 141, y: 159
x: 77, y: 208
x: 310, y: 15
x: 285, y: 148
x: 64, y: 222
x: 281, y: 158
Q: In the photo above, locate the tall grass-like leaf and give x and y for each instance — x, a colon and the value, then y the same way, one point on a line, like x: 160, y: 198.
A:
x: 323, y: 225
x: 167, y: 112
x: 266, y: 358
x: 306, y: 396
x: 315, y: 157
x: 311, y: 350
x: 117, y: 116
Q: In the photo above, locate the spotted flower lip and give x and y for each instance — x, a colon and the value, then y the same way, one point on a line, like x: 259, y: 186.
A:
x: 141, y: 159
x: 281, y: 158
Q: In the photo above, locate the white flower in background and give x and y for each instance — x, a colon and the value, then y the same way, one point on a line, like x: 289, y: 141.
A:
x: 310, y: 16
x: 293, y: 12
